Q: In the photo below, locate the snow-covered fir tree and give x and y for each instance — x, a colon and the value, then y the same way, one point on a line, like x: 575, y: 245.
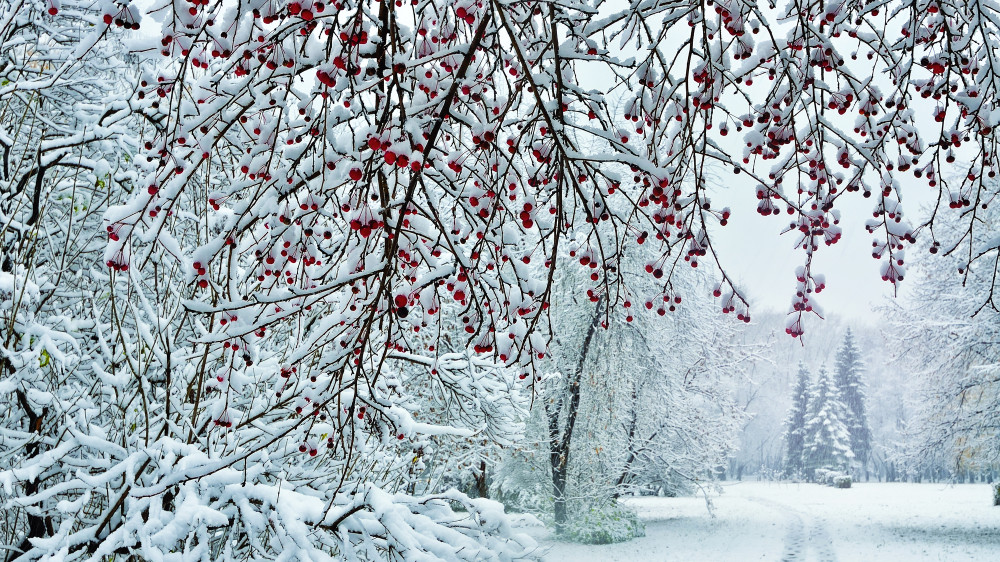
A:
x: 795, y: 423
x: 827, y: 441
x: 848, y: 370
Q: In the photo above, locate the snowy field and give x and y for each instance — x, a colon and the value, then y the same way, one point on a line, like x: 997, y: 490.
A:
x: 781, y: 521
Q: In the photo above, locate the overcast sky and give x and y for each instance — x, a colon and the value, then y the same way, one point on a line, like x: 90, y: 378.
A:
x: 763, y: 261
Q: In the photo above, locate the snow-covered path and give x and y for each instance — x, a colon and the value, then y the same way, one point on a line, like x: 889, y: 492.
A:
x: 809, y: 522
x: 801, y: 539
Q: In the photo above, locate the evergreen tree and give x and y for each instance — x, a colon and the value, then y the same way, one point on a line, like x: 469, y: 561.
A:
x: 827, y: 441
x: 849, y: 368
x: 795, y: 423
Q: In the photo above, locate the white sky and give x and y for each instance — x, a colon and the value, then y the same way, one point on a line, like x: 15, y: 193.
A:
x: 763, y: 262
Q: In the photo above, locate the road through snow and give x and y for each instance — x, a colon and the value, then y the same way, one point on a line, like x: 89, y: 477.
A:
x: 808, y: 522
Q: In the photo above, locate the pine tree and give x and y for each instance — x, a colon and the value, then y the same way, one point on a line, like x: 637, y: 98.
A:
x: 795, y: 423
x: 849, y: 368
x: 827, y: 441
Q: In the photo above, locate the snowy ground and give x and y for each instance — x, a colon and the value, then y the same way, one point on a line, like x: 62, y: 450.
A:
x: 781, y: 521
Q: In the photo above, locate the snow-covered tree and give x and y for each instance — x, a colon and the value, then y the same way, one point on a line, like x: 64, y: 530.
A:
x: 795, y: 422
x: 948, y: 340
x: 299, y: 203
x: 660, y: 403
x: 576, y: 348
x: 848, y: 371
x: 637, y: 404
x: 66, y: 136
x: 827, y: 441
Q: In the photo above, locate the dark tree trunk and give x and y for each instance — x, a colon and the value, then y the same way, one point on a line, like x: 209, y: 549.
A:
x: 38, y: 526
x: 559, y: 493
x: 482, y: 486
x: 559, y: 441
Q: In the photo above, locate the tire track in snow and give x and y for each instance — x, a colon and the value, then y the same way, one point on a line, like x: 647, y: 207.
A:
x: 820, y: 539
x: 797, y: 541
x: 795, y: 538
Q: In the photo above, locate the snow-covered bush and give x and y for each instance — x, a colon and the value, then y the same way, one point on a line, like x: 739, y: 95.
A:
x: 833, y: 478
x: 523, y: 482
x: 842, y: 481
x: 604, y: 523
x: 996, y: 493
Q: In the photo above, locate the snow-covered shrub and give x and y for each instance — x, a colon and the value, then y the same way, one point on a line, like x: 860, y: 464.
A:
x: 833, y: 478
x: 996, y: 493
x: 819, y: 475
x: 842, y: 481
x: 604, y: 523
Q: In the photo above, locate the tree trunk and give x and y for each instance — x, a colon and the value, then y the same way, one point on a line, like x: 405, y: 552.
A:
x: 38, y: 526
x: 482, y: 488
x: 559, y: 493
x: 559, y: 441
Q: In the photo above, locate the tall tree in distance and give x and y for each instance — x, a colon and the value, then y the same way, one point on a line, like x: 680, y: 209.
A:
x: 848, y: 370
x: 827, y: 441
x: 795, y: 423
